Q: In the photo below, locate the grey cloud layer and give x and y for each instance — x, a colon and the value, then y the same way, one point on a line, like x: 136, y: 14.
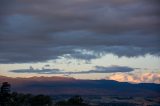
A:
x: 33, y: 31
x: 98, y: 69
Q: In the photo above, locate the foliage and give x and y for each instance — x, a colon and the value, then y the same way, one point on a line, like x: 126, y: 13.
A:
x: 41, y: 100
x: 16, y: 99
x: 73, y: 101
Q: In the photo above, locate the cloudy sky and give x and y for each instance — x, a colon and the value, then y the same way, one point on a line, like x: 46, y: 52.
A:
x: 84, y: 39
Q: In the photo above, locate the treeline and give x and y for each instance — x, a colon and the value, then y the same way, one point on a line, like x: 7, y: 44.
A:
x: 16, y: 99
x: 19, y: 99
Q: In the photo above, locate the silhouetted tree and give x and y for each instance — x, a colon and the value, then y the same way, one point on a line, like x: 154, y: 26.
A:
x: 62, y: 103
x: 73, y: 101
x: 5, y: 94
x: 16, y: 99
x: 20, y: 99
x: 5, y: 88
x: 41, y: 100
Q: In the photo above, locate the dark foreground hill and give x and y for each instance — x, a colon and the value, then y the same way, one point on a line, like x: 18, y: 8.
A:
x: 70, y: 86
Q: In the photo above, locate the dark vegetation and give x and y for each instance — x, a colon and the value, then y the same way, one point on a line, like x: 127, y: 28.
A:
x: 19, y: 99
x: 73, y: 101
x: 15, y: 99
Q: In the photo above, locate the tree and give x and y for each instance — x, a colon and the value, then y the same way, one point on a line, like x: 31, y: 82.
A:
x: 73, y: 101
x: 5, y: 94
x: 41, y: 100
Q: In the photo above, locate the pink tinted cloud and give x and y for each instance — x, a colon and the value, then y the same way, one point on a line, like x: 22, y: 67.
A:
x: 135, y: 78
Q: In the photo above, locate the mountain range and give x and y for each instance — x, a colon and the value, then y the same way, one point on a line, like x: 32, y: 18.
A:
x: 70, y: 86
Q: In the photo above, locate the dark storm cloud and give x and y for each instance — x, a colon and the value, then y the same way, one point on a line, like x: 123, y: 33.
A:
x: 33, y: 31
x: 98, y: 69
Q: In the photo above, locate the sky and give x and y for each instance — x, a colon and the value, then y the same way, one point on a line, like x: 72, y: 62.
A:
x: 84, y: 39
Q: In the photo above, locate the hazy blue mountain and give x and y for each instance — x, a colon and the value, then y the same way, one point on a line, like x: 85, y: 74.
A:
x: 70, y: 86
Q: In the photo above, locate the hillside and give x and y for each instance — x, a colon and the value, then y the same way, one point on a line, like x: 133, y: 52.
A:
x: 70, y: 86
